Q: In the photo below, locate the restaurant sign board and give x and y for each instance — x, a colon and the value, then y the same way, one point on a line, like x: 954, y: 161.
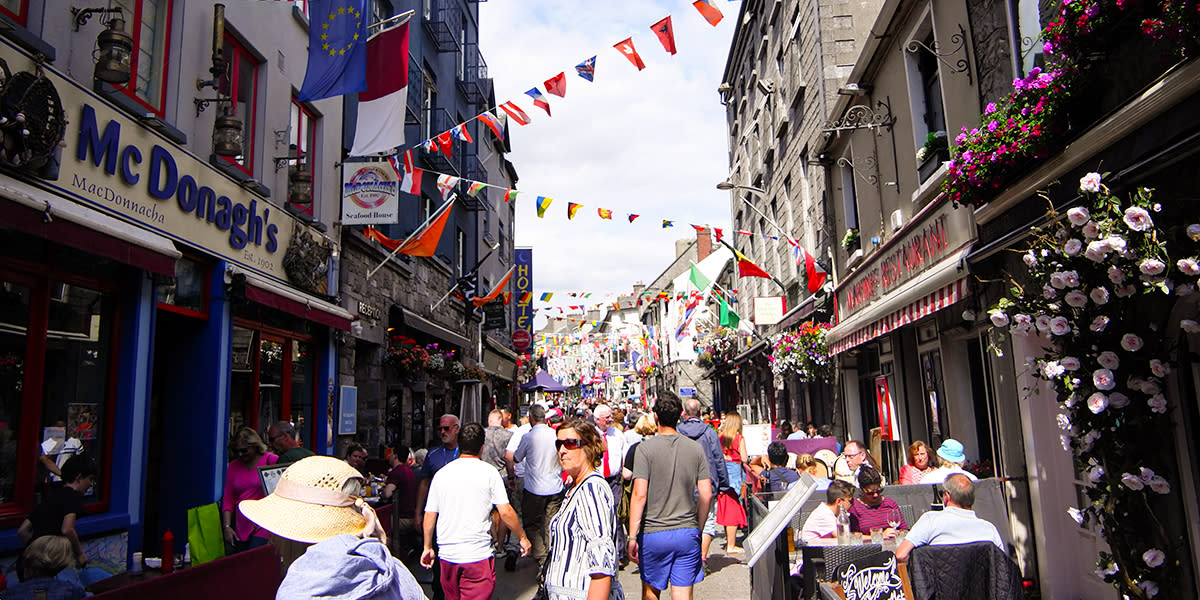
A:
x: 370, y: 193
x: 939, y: 233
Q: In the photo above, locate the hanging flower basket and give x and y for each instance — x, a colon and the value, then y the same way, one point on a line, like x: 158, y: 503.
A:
x: 1101, y: 283
x: 407, y: 358
x: 803, y: 353
x: 717, y: 347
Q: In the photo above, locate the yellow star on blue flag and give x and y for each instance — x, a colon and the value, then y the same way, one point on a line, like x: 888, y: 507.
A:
x: 340, y: 66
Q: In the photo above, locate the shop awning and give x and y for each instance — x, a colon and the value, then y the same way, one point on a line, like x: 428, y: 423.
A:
x: 498, y: 361
x: 279, y: 297
x: 415, y: 321
x: 942, y: 285
x: 41, y: 213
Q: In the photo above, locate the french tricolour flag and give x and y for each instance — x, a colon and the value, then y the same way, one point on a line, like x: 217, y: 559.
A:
x: 380, y: 125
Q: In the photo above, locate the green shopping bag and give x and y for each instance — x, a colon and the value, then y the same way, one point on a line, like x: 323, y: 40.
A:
x: 204, y: 533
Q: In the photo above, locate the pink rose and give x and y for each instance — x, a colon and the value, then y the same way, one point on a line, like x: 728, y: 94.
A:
x: 1043, y: 323
x: 1115, y: 243
x: 1099, y: 323
x: 1154, y: 558
x: 1159, y: 484
x: 1103, y: 380
x: 1090, y: 183
x: 1099, y: 295
x: 1060, y: 326
x: 1109, y: 360
x: 1096, y: 251
x: 1159, y: 368
x: 1078, y: 216
x: 1116, y: 275
x: 1091, y: 230
x: 1057, y: 280
x: 1071, y: 278
x: 999, y: 319
x: 1070, y: 363
x: 1125, y: 291
x: 1076, y: 298
x: 1048, y: 292
x: 1073, y: 247
x: 1131, y: 342
x: 1132, y: 482
x: 1137, y: 219
x: 1030, y: 259
x: 1097, y: 402
x: 1158, y: 403
x: 1188, y: 266
x: 1152, y: 267
x: 1118, y: 400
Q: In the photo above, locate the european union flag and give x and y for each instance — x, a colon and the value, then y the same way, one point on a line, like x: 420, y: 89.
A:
x: 337, y: 49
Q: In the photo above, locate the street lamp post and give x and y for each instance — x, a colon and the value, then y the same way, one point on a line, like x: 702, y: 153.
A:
x: 728, y: 186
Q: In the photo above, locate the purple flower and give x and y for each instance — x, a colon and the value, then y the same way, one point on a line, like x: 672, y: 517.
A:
x: 999, y: 319
x: 1132, y: 482
x: 1159, y: 368
x: 1154, y: 558
x: 1075, y: 514
x: 1091, y: 230
x: 1157, y: 403
x: 1193, y: 232
x: 1159, y: 484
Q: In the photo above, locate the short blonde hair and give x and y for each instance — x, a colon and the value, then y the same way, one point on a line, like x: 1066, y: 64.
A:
x: 646, y: 425
x: 48, y: 555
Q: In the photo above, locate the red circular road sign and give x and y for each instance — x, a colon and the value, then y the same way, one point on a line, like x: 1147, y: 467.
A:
x: 521, y: 340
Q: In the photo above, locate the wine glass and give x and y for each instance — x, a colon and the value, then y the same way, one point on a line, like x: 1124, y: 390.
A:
x: 893, y: 517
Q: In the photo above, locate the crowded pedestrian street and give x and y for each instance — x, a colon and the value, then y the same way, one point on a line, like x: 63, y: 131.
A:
x: 550, y: 300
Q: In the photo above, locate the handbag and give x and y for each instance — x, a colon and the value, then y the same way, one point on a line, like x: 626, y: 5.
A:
x: 205, y: 540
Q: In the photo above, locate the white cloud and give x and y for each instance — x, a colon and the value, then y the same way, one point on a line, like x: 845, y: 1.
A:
x: 651, y: 142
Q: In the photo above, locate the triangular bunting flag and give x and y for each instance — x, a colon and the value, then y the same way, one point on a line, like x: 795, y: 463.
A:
x: 572, y: 208
x: 460, y: 132
x: 667, y: 224
x: 728, y: 317
x: 446, y: 184
x: 539, y: 100
x: 515, y: 113
x: 411, y: 183
x: 510, y: 195
x: 493, y: 123
x: 546, y: 296
x: 587, y: 69
x: 542, y: 204
x: 665, y: 33
x: 604, y: 213
x: 445, y: 143
x: 525, y: 297
x: 709, y: 11
x: 557, y: 85
x: 632, y: 217
x: 719, y: 233
x: 813, y: 273
x: 625, y: 47
x: 475, y: 187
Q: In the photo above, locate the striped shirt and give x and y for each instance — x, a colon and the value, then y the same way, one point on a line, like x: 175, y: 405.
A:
x: 583, y: 542
x: 863, y: 517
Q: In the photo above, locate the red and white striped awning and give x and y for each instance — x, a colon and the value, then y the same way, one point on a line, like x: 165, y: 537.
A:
x: 942, y: 285
x: 910, y: 313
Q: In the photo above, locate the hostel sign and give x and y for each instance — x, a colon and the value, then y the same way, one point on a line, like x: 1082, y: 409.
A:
x: 523, y: 280
x: 939, y: 232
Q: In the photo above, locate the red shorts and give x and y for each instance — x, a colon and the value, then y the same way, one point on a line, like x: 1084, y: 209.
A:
x: 470, y: 581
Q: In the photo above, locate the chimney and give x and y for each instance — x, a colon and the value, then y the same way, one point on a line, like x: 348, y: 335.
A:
x: 638, y: 288
x: 703, y: 244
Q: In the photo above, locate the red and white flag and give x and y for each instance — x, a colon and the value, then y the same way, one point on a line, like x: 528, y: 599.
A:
x: 446, y: 184
x: 813, y: 273
x: 515, y: 113
x: 381, y: 108
x: 411, y: 182
x: 709, y: 11
x: 625, y: 47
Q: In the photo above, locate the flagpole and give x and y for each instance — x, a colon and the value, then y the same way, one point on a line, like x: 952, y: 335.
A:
x: 399, y: 19
x: 412, y: 235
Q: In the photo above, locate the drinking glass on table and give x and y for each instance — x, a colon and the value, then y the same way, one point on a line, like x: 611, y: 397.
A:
x: 893, y: 517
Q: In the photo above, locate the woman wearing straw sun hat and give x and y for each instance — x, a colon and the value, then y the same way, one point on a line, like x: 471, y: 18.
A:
x: 318, y: 500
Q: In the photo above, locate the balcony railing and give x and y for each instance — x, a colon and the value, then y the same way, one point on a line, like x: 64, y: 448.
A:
x: 474, y: 171
x: 472, y: 75
x: 443, y: 26
x: 438, y: 120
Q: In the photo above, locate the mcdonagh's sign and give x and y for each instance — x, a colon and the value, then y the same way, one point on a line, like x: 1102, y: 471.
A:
x: 940, y: 232
x: 115, y: 164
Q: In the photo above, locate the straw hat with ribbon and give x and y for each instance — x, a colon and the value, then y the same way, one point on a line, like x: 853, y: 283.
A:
x: 316, y: 498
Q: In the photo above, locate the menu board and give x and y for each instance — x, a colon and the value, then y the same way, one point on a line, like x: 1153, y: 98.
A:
x: 758, y: 437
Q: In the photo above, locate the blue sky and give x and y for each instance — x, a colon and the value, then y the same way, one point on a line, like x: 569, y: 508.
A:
x: 651, y: 142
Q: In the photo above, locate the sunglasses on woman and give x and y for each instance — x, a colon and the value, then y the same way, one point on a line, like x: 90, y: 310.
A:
x: 569, y: 444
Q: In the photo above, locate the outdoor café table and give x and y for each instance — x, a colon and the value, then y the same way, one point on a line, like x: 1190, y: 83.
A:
x: 823, y: 556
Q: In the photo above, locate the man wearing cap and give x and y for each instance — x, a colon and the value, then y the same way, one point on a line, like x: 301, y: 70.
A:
x: 459, y: 506
x: 318, y: 501
x: 283, y: 440
x: 950, y: 461
x: 543, y: 480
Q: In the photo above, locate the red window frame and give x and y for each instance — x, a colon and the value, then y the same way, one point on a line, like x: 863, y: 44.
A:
x: 130, y: 88
x: 287, y: 338
x: 20, y: 18
x: 229, y: 89
x: 38, y: 277
x: 304, y: 127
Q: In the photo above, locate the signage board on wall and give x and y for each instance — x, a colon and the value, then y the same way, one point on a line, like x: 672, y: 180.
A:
x: 769, y: 310
x: 937, y: 235
x: 115, y: 164
x: 687, y: 392
x: 370, y: 193
x: 348, y: 411
x: 493, y: 316
x: 523, y: 280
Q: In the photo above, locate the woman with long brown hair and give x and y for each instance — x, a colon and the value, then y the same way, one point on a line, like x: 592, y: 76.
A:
x: 730, y: 511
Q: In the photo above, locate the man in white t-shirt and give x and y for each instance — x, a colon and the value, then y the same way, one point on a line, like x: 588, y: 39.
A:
x: 55, y: 453
x: 459, y: 506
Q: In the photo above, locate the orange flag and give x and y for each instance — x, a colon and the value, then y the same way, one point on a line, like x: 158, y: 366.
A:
x: 665, y: 33
x: 495, y: 291
x: 625, y: 47
x: 709, y: 11
x: 425, y: 242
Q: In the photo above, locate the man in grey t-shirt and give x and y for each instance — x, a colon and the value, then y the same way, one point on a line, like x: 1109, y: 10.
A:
x: 665, y: 513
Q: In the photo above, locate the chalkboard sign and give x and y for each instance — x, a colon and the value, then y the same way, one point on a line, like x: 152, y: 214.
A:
x: 348, y: 411
x: 872, y: 578
x: 493, y: 315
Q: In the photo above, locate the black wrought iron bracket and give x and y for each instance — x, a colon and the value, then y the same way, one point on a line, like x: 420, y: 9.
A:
x: 202, y: 103
x: 80, y: 16
x: 862, y: 116
x: 868, y: 162
x: 962, y: 65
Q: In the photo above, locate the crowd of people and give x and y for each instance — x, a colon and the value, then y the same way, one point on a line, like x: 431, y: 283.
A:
x: 581, y: 491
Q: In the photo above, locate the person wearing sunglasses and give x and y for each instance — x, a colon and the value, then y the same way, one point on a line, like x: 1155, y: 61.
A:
x: 247, y: 452
x: 583, y: 552
x: 874, y: 510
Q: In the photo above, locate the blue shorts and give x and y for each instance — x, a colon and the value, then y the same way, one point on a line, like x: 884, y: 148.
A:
x: 671, y: 556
